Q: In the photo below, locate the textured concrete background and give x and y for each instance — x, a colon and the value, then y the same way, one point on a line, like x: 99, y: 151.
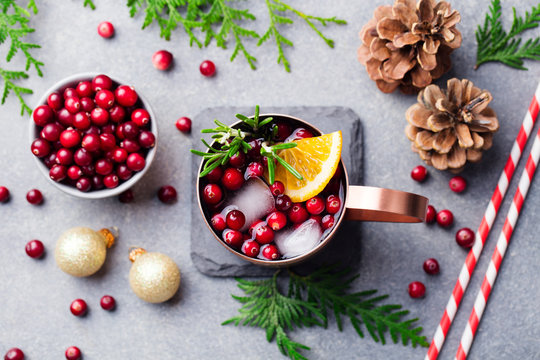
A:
x: 35, y: 295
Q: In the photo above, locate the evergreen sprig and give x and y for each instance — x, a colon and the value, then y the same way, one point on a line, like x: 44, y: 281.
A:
x: 89, y: 3
x: 309, y: 301
x: 495, y: 44
x: 14, y: 27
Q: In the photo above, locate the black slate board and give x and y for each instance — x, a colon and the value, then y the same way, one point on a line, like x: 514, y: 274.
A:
x: 212, y: 259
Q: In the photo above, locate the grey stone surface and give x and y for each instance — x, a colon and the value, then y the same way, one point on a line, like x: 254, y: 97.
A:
x: 35, y: 295
x: 212, y: 259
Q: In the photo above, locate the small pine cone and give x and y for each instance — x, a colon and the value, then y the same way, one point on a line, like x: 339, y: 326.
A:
x: 447, y: 129
x: 409, y: 44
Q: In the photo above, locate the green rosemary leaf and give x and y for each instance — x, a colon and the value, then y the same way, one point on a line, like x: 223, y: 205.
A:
x: 283, y: 146
x: 89, y: 3
x: 271, y: 171
x: 200, y: 153
x: 266, y: 121
x: 209, y: 169
x: 289, y: 168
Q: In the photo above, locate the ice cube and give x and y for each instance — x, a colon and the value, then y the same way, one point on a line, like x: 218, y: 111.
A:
x: 254, y: 199
x: 292, y: 243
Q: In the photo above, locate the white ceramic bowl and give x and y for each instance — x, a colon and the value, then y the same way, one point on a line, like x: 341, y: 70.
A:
x: 72, y: 81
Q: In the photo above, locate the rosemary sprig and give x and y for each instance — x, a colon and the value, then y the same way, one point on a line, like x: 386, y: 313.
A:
x: 89, y: 3
x: 495, y: 44
x: 309, y: 301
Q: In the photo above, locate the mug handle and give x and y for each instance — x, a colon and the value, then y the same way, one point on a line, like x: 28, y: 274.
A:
x: 367, y: 203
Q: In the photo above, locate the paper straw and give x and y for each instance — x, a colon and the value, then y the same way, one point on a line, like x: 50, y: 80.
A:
x: 483, y: 231
x: 498, y: 255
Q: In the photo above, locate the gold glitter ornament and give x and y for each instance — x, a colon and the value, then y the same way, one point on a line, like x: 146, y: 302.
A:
x: 154, y: 277
x: 81, y: 251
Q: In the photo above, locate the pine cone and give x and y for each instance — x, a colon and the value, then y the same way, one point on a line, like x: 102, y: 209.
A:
x: 408, y: 44
x: 449, y: 129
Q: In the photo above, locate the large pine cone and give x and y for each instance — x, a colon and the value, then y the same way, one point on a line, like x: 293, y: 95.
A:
x: 447, y: 129
x: 408, y: 44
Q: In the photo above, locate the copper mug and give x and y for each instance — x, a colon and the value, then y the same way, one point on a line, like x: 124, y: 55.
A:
x: 361, y: 203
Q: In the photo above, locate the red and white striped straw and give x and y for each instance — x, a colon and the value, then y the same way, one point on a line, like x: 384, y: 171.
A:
x: 498, y: 255
x: 483, y: 231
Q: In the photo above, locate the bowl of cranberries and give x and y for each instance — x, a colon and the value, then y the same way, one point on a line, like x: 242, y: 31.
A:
x: 93, y: 136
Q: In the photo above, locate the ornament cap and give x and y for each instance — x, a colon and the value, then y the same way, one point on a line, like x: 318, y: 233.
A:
x: 135, y: 252
x: 109, y: 236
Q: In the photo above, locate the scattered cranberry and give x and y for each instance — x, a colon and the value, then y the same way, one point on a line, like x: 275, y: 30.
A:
x: 315, y: 205
x: 264, y: 234
x: 58, y: 173
x: 214, y: 176
x: 4, y: 194
x: 237, y: 160
x: 251, y: 248
x: 207, y: 68
x: 271, y: 252
x: 40, y: 148
x: 277, y: 220
x: 235, y: 219
x: 431, y: 266
x: 167, y: 194
x: 233, y: 238
x: 126, y: 95
x: 78, y: 307
x: 107, y: 302
x: 465, y: 238
x: 34, y: 249
x: 162, y: 59
x: 445, y: 218
x: 51, y: 132
x: 105, y: 29
x: 417, y: 289
x: 283, y: 202
x: 218, y: 222
x: 333, y: 204
x: 111, y: 181
x: 135, y: 162
x: 298, y: 214
x: 126, y: 197
x: 84, y: 184
x: 55, y: 100
x: 101, y: 82
x: 42, y: 115
x: 327, y: 221
x: 34, y: 197
x: 232, y: 179
x: 277, y: 188
x: 254, y: 169
x: 212, y: 194
x: 70, y: 138
x: 419, y: 173
x: 431, y: 213
x: 457, y: 184
x: 14, y: 354
x: 73, y: 353
x: 184, y: 124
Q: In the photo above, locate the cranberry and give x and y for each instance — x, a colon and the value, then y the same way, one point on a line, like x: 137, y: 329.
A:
x: 123, y: 172
x: 108, y: 129
x: 264, y: 234
x: 232, y: 179
x: 235, y: 219
x: 50, y: 160
x: 4, y: 194
x: 465, y: 238
x: 212, y: 194
x: 277, y: 220
x: 445, y: 218
x: 147, y: 139
x: 315, y: 205
x: 105, y: 29
x: 140, y: 117
x: 126, y: 95
x: 73, y: 353
x: 214, y: 176
x: 270, y: 252
x: 118, y: 113
x: 107, y: 302
x: 184, y: 124
x: 417, y: 289
x: 72, y: 104
x: 251, y: 248
x: 78, y: 307
x: 120, y: 132
x: 167, y: 194
x: 87, y: 104
x: 283, y: 131
x: 162, y: 59
x: 327, y: 221
x: 91, y: 142
x: 103, y: 166
x: 74, y: 172
x: 431, y: 266
x: 34, y: 249
x: 42, y: 115
x: 277, y: 188
x: 51, y: 132
x: 131, y: 146
x: 70, y: 138
x: 107, y: 142
x: 130, y: 130
x: 58, y: 173
x: 255, y: 225
x: 207, y: 68
x: 100, y: 116
x: 431, y: 213
x: 135, y: 162
x: 111, y: 181
x: 34, y: 197
x: 105, y: 99
x: 419, y: 173
x: 302, y: 134
x: 255, y: 151
x: 64, y: 117
x: 233, y: 238
x: 254, y: 169
x: 83, y: 184
x: 283, y: 202
x: 333, y: 204
x: 82, y: 158
x: 97, y: 182
x: 457, y: 184
x: 64, y: 156
x: 40, y: 148
x: 14, y: 354
x: 101, y: 82
x: 55, y: 101
x: 126, y: 196
x: 298, y: 214
x: 218, y: 222
x: 70, y: 92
